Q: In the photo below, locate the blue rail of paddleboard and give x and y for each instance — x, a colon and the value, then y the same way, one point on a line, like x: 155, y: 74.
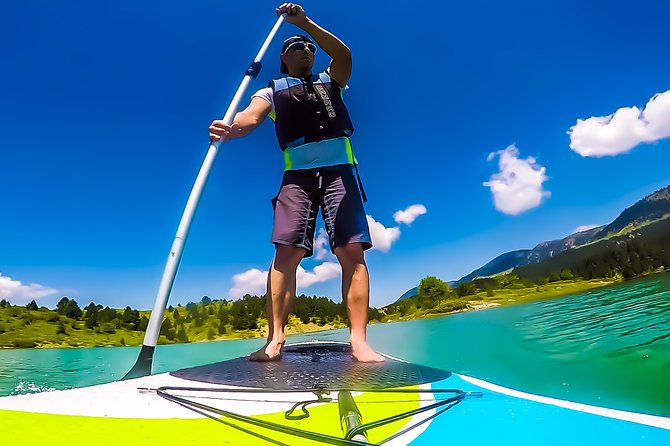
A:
x: 499, y: 419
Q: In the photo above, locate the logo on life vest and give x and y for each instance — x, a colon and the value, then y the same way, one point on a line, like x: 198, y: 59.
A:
x: 326, y: 100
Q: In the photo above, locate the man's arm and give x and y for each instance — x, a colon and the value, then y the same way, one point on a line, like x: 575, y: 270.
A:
x: 244, y: 123
x: 340, y: 67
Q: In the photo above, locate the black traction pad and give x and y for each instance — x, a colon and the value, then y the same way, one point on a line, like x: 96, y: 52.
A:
x: 314, y: 365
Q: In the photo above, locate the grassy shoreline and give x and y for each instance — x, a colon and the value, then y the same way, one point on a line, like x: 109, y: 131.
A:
x: 506, y: 297
x: 40, y: 332
x: 80, y: 337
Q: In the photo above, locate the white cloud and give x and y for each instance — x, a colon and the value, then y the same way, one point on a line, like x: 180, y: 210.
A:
x: 622, y: 131
x: 410, y: 214
x: 322, y: 247
x: 322, y: 273
x: 249, y: 282
x: 518, y: 186
x: 583, y: 228
x: 382, y: 237
x: 14, y: 289
x: 254, y: 281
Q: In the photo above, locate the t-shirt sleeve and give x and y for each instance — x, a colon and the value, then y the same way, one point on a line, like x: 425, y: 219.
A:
x: 265, y: 93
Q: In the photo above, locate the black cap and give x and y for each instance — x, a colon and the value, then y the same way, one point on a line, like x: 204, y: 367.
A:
x: 297, y: 38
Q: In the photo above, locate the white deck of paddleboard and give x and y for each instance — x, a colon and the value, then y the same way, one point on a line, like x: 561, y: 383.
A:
x: 123, y: 399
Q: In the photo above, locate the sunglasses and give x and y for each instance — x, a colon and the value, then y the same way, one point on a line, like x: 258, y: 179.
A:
x: 299, y: 46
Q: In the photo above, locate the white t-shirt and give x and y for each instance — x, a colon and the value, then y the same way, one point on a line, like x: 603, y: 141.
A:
x: 265, y: 93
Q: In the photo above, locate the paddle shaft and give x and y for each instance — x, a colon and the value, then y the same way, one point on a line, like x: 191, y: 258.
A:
x: 143, y: 365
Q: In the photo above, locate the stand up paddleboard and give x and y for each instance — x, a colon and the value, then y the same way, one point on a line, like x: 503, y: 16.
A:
x: 316, y: 394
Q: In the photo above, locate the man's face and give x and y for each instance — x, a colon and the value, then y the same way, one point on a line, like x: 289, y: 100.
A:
x: 299, y: 57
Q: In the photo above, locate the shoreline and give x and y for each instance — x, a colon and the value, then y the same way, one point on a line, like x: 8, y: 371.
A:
x: 240, y: 335
x: 477, y: 303
x: 521, y: 296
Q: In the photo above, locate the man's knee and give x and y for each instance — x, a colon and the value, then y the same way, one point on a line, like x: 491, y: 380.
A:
x: 351, y: 255
x: 288, y: 257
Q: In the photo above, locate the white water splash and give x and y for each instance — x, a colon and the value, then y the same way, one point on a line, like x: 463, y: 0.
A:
x: 23, y: 387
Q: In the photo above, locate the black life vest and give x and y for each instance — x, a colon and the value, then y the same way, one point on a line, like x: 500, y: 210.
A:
x: 308, y: 110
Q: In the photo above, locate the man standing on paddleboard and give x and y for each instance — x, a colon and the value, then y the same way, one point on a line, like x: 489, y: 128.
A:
x: 313, y: 128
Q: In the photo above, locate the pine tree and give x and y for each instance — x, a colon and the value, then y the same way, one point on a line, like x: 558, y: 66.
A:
x: 62, y: 305
x: 131, y: 318
x: 166, y: 326
x: 144, y: 323
x: 223, y: 314
x: 69, y: 308
x: 91, y: 316
x: 181, y: 335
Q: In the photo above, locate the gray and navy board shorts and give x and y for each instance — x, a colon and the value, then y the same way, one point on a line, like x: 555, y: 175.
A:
x: 332, y: 189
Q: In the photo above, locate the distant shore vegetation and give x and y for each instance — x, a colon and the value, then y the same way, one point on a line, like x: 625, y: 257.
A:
x: 68, y: 325
x: 436, y: 297
x: 627, y: 261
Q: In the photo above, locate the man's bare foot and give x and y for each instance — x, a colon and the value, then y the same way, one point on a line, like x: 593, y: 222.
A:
x: 269, y: 352
x: 362, y: 352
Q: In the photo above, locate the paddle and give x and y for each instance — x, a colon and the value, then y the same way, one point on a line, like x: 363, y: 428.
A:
x: 144, y: 361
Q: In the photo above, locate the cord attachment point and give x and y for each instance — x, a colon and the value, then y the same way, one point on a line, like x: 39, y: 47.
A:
x: 253, y: 69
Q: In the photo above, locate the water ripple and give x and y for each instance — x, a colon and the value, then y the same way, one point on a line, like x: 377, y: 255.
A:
x: 605, y: 321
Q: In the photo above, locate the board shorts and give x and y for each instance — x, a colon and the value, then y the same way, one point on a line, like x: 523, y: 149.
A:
x: 333, y: 190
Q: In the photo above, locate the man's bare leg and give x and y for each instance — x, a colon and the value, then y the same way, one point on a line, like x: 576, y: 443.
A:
x: 356, y: 295
x: 279, y: 298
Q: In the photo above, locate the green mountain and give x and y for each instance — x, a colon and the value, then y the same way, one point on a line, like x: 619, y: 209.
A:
x: 644, y: 226
x: 407, y: 294
x: 503, y: 262
x: 653, y: 207
x: 630, y: 252
x: 548, y: 249
x: 649, y: 210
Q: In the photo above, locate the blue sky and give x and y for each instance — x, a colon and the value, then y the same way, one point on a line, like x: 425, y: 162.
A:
x: 468, y: 110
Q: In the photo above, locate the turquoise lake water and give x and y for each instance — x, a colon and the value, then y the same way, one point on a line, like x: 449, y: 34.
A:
x: 608, y: 347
